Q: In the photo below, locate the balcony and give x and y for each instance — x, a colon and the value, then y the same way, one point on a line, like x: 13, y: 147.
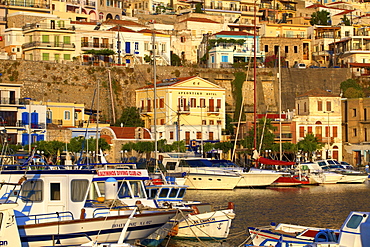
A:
x: 89, y: 45
x: 183, y: 110
x: 57, y: 27
x: 221, y: 8
x: 47, y: 45
x: 90, y: 4
x: 10, y: 101
x: 28, y: 4
x: 213, y: 110
x: 146, y: 111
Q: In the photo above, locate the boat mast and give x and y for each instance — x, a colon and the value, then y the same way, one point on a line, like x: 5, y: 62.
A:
x: 254, y: 77
x: 280, y: 143
x: 155, y: 101
x: 97, y: 126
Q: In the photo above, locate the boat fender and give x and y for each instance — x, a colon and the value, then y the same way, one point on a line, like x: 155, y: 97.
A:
x: 325, y: 236
x: 174, y: 231
x: 230, y: 205
x: 82, y: 215
x: 195, y: 210
x: 183, y: 174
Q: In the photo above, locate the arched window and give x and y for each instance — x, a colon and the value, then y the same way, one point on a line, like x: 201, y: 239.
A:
x: 117, y: 17
x: 101, y: 16
x: 109, y: 17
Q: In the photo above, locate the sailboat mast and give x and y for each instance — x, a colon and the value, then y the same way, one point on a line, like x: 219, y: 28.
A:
x: 97, y: 126
x: 280, y: 144
x: 155, y: 101
x: 254, y: 77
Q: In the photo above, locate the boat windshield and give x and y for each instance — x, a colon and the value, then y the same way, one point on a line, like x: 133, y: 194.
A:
x: 206, y: 163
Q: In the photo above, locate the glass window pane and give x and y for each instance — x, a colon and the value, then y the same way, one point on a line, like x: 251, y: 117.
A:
x: 79, y: 189
x: 32, y: 191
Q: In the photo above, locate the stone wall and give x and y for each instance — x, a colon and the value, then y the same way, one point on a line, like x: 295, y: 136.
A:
x: 78, y: 83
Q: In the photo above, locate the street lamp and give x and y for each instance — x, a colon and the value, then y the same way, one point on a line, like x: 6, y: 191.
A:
x: 328, y: 134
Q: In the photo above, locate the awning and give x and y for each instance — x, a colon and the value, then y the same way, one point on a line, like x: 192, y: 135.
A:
x: 275, y: 162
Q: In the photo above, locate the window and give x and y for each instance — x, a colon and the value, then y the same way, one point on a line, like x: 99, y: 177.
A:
x: 211, y: 122
x: 54, y: 191
x: 67, y: 115
x: 57, y: 57
x: 202, y: 103
x: 327, y: 130
x: 295, y: 49
x: 346, y: 33
x: 67, y: 57
x: 136, y: 45
x: 199, y: 135
x: 182, y: 39
x: 355, y: 221
x: 286, y: 49
x: 45, y: 56
x: 224, y: 59
x: 266, y: 48
x: 162, y: 121
x: 319, y: 105
x: 328, y: 105
x: 146, y: 46
x: 365, y: 134
x: 193, y: 102
x: 304, y: 107
x: 204, y: 122
x: 32, y: 191
x: 219, y: 122
x: 354, y: 112
x: 354, y: 132
x: 171, y: 135
x: 45, y: 38
x: 309, y: 130
x: 218, y: 103
x: 365, y: 114
x: 335, y: 131
x: 161, y: 103
x: 67, y: 40
x: 60, y: 23
x: 301, y: 131
x: 210, y: 136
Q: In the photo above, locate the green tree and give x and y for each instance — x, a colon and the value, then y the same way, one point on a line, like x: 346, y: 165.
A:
x: 50, y: 148
x: 320, y: 18
x: 179, y: 146
x: 346, y: 21
x: 130, y: 117
x: 225, y: 147
x: 237, y: 87
x: 144, y: 147
x: 229, y: 127
x: 198, y: 8
x: 163, y: 147
x: 351, y: 89
x: 268, y: 135
x: 77, y: 143
x: 175, y: 60
x: 207, y: 147
x: 309, y: 144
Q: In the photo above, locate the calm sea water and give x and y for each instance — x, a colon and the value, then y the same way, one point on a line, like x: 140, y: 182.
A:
x: 321, y: 206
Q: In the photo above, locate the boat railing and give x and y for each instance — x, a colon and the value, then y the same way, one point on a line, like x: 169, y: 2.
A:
x: 102, y: 212
x: 43, y: 166
x: 43, y: 218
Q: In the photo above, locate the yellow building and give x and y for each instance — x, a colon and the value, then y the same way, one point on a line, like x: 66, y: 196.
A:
x: 189, y: 108
x: 65, y: 114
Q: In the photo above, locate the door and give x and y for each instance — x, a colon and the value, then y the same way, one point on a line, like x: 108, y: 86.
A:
x: 128, y: 47
x: 211, y: 105
x: 56, y: 40
x: 187, y: 137
x: 56, y: 190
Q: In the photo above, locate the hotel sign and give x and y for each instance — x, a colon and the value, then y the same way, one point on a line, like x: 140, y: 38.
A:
x: 195, y: 93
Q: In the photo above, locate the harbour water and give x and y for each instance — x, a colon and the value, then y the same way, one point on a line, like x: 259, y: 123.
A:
x: 322, y: 206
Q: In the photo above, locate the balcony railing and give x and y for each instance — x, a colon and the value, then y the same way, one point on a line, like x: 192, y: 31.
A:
x: 183, y: 109
x: 223, y: 8
x: 213, y: 109
x: 145, y: 110
x: 48, y: 44
x: 90, y: 4
x: 28, y: 4
x: 10, y: 101
x: 96, y: 45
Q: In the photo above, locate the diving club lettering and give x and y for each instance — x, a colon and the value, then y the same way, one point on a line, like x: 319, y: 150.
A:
x: 119, y: 173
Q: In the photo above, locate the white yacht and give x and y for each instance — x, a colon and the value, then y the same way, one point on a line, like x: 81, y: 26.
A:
x: 199, y: 173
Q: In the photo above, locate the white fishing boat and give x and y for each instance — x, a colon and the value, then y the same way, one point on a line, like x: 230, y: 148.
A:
x: 199, y: 173
x: 64, y: 206
x: 355, y: 232
x: 205, y: 222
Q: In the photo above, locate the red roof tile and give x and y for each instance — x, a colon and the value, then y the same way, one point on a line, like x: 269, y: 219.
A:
x: 128, y: 132
x: 85, y: 22
x: 241, y: 33
x: 121, y: 29
x: 149, y: 31
x: 123, y: 23
x: 196, y: 19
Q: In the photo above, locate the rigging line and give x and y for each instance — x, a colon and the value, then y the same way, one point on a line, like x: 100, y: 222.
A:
x: 87, y: 126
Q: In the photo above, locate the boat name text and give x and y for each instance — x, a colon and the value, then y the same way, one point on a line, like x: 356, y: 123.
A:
x: 197, y: 93
x: 3, y: 243
x: 133, y: 224
x: 204, y: 221
x: 119, y: 173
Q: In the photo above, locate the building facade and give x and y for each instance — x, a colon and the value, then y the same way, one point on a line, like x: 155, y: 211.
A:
x: 318, y: 112
x: 189, y: 108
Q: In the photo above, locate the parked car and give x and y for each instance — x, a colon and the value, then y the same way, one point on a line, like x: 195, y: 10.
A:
x: 300, y: 66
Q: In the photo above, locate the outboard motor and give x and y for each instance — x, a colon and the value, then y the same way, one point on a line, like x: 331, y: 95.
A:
x: 111, y: 186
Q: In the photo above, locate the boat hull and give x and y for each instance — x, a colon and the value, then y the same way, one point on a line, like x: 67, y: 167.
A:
x: 212, y: 225
x: 257, y: 179
x: 211, y: 181
x: 348, y: 179
x: 104, y: 229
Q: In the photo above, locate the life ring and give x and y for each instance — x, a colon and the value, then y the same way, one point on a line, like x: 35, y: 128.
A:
x: 195, y: 210
x: 325, y: 236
